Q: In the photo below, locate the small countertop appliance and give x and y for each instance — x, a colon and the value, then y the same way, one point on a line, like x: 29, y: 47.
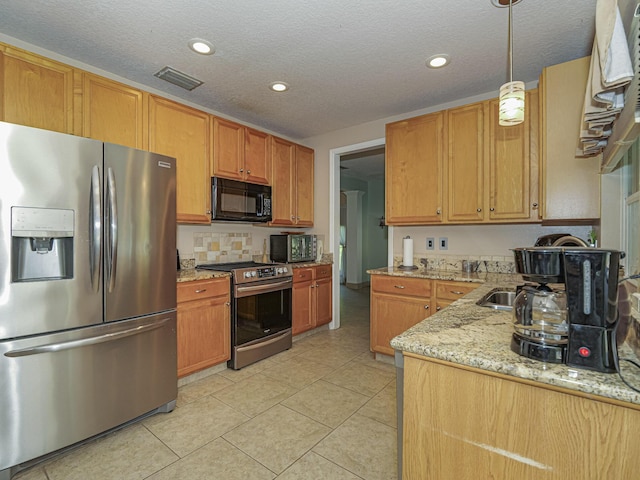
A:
x: 569, y: 317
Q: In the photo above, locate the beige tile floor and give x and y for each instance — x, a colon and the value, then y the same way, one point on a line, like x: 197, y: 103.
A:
x: 323, y: 410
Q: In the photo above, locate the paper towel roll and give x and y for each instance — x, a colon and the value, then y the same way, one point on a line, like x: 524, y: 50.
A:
x: 407, y: 252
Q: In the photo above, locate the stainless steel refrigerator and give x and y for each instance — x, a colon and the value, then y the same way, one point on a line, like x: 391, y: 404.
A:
x: 87, y: 290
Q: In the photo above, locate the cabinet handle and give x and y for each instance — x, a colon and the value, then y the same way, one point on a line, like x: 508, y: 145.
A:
x: 201, y: 291
x: 492, y: 209
x: 399, y: 286
x: 478, y: 210
x: 456, y: 292
x: 426, y: 307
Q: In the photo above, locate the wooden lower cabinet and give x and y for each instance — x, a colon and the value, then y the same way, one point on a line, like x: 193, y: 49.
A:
x: 312, y: 297
x: 204, y: 324
x: 397, y: 303
x: 462, y: 423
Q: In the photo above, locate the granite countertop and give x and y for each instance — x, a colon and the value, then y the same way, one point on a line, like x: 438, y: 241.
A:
x: 310, y: 264
x: 192, y: 274
x: 467, y: 334
x: 450, y: 275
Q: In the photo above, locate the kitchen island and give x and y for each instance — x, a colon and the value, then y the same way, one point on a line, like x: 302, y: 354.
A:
x: 475, y: 409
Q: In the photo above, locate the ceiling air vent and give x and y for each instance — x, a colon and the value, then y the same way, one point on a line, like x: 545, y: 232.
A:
x: 178, y: 78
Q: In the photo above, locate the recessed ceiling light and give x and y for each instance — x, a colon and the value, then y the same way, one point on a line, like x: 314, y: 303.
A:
x: 438, y: 61
x: 201, y: 46
x: 279, y: 87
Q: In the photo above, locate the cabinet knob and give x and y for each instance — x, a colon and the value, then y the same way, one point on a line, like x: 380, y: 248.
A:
x: 241, y: 170
x: 438, y: 212
x: 438, y: 308
x: 535, y: 205
x: 399, y: 286
x: 293, y: 217
x: 248, y: 172
x: 228, y: 304
x: 478, y: 210
x: 312, y: 286
x: 208, y: 212
x: 426, y: 307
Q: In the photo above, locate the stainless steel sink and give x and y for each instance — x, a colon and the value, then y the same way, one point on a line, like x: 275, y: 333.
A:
x: 498, y: 299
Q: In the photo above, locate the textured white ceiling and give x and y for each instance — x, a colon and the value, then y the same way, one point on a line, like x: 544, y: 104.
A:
x: 347, y: 61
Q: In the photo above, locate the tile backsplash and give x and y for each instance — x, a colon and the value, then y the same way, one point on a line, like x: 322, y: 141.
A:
x: 211, y: 247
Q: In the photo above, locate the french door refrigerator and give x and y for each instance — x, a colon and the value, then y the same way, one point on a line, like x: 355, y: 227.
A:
x: 87, y: 290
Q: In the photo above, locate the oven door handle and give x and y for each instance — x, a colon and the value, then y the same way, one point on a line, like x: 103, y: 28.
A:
x: 242, y: 291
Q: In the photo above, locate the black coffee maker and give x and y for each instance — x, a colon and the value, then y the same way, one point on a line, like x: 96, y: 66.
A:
x: 591, y: 282
x: 590, y: 278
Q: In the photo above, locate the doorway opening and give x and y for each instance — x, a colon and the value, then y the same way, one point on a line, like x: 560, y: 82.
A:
x: 357, y: 231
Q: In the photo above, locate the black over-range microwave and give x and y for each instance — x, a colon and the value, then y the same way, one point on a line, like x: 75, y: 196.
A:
x: 236, y: 201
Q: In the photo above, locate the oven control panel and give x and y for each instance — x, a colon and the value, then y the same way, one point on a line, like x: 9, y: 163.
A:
x: 253, y: 274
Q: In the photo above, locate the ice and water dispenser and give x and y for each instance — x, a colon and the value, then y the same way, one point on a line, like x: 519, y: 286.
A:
x: 42, y: 244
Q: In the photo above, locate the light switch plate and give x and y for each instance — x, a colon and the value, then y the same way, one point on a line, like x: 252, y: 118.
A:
x: 431, y: 243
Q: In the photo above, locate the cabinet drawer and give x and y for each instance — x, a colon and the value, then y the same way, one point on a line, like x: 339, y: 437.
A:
x: 453, y: 290
x: 202, y: 289
x: 417, y: 287
x: 302, y: 274
x: 323, y: 271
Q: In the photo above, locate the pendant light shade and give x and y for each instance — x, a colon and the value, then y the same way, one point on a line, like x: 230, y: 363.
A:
x: 511, y: 104
x: 511, y: 93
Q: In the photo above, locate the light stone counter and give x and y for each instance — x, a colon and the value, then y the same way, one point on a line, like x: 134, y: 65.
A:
x: 467, y: 334
x: 191, y: 275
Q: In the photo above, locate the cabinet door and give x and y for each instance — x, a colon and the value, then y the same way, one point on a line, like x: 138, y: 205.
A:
x: 114, y: 113
x: 392, y: 315
x: 509, y: 167
x: 323, y: 292
x: 464, y: 167
x: 204, y: 337
x: 36, y: 92
x: 304, y: 186
x: 257, y: 156
x: 302, y: 300
x: 282, y: 181
x: 182, y: 132
x: 228, y: 149
x: 413, y: 166
x: 561, y: 97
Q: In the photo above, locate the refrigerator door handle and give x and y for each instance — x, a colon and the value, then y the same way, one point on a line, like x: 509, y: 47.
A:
x: 84, y: 342
x: 112, y: 229
x: 95, y: 229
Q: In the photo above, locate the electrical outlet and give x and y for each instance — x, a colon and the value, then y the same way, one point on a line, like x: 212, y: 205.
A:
x: 443, y: 243
x: 431, y: 243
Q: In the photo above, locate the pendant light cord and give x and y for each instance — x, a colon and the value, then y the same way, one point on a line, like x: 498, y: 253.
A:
x: 510, y: 42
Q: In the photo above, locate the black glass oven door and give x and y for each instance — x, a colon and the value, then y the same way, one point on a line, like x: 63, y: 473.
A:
x: 260, y: 315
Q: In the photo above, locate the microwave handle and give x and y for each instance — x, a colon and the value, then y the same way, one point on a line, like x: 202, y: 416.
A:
x: 260, y: 206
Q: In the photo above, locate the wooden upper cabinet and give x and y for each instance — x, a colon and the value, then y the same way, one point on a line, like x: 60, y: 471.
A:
x: 304, y: 159
x: 240, y: 153
x: 36, y: 91
x: 183, y: 132
x: 282, y: 180
x: 228, y: 149
x: 113, y: 112
x: 413, y: 170
x: 257, y: 156
x: 292, y: 180
x: 562, y: 90
x: 465, y: 165
x: 509, y: 167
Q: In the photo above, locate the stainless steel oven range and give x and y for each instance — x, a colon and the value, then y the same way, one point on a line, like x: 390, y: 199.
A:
x: 260, y: 310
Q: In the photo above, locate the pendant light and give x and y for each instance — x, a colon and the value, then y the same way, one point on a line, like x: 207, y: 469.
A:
x: 511, y: 93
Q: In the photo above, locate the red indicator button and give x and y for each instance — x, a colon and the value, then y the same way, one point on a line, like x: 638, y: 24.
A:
x: 584, y: 352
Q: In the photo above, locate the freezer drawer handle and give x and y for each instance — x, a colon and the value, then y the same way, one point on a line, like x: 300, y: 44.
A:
x: 107, y: 337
